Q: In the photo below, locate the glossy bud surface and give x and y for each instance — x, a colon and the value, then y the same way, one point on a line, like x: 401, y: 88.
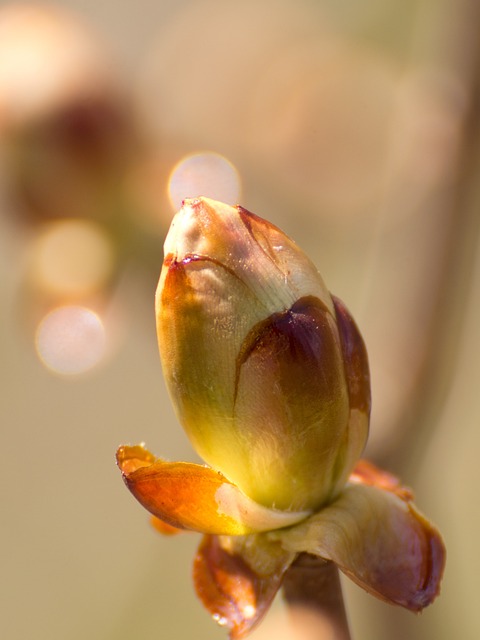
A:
x: 268, y: 374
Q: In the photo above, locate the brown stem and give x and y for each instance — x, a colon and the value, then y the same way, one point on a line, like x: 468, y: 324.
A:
x: 313, y: 593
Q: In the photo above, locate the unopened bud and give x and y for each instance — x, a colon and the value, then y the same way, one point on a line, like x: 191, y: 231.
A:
x: 268, y: 374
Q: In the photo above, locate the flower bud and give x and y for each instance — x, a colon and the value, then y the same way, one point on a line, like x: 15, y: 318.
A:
x: 268, y: 374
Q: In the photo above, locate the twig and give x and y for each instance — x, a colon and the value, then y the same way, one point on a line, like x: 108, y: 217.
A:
x: 312, y: 588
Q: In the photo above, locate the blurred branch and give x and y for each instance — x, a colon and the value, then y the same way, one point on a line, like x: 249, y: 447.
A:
x: 459, y: 53
x: 447, y: 58
x: 447, y: 55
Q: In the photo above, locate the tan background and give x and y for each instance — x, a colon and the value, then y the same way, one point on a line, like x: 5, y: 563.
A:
x: 354, y: 126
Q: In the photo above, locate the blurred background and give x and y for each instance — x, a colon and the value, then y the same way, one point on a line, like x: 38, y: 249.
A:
x: 354, y: 126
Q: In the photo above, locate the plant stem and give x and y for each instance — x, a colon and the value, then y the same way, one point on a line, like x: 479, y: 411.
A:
x: 312, y: 588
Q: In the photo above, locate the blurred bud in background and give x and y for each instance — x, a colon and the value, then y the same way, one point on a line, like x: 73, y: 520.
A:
x: 68, y: 138
x: 64, y: 122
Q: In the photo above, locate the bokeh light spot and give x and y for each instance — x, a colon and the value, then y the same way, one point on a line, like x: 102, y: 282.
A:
x: 71, y: 340
x: 46, y: 56
x: 72, y: 258
x: 204, y: 174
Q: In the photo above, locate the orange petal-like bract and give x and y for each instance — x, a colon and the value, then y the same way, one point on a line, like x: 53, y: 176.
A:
x: 195, y: 497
